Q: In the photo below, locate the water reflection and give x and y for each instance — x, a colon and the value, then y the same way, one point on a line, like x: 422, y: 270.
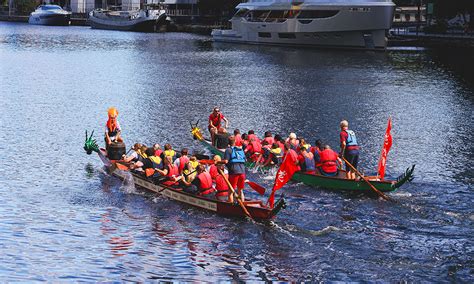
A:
x: 65, y: 212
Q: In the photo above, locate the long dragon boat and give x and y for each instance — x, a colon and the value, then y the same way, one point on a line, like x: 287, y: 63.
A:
x: 338, y: 182
x: 257, y: 209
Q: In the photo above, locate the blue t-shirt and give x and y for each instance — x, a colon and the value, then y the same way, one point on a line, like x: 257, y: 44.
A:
x: 234, y: 168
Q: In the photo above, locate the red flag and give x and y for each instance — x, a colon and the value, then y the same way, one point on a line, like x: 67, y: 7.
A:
x: 288, y: 167
x: 387, y: 143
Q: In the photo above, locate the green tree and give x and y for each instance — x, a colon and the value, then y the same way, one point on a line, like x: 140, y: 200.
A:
x: 25, y: 7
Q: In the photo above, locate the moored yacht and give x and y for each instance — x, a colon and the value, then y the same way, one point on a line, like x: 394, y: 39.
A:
x: 144, y: 20
x: 51, y: 15
x: 325, y: 23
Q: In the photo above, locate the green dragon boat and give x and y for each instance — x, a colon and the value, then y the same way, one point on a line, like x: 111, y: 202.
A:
x: 338, y: 182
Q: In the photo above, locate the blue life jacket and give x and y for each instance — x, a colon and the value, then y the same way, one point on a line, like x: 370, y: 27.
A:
x: 351, y: 138
x: 237, y: 156
x: 309, y: 164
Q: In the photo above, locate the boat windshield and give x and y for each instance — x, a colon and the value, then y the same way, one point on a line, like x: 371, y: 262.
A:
x: 50, y: 7
x: 258, y: 15
x: 241, y: 12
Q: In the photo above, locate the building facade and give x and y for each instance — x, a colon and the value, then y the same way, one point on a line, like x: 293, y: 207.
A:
x: 172, y: 7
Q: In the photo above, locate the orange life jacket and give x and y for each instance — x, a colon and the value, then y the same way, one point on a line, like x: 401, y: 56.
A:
x: 112, y: 127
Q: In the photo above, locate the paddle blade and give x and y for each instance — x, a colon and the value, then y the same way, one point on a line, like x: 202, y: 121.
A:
x: 201, y: 156
x: 258, y: 188
x: 206, y: 162
x: 121, y: 167
x: 149, y: 172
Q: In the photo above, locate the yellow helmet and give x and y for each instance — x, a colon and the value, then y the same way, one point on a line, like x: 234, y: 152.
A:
x: 113, y: 112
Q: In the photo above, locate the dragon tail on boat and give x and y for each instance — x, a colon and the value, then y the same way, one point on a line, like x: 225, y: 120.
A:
x: 403, y: 178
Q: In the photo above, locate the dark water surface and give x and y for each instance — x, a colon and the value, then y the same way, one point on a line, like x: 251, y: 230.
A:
x: 63, y: 218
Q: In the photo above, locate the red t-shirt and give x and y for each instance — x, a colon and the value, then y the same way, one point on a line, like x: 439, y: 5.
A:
x: 216, y: 119
x: 343, y: 137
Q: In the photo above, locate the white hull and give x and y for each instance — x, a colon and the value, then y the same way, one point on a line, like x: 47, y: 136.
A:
x: 57, y: 20
x: 347, y: 25
x: 145, y: 21
x: 50, y: 17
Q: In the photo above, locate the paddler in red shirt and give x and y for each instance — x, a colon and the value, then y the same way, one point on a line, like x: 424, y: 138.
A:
x: 215, y: 121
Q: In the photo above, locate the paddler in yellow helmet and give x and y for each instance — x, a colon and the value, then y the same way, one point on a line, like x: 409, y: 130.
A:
x: 112, y: 127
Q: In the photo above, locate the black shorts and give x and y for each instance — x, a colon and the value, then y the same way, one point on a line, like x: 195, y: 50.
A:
x: 352, y: 157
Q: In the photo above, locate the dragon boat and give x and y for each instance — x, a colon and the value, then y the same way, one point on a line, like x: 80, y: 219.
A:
x: 256, y: 208
x: 338, y: 182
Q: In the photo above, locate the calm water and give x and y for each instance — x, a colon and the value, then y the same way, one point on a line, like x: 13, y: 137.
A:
x: 63, y: 218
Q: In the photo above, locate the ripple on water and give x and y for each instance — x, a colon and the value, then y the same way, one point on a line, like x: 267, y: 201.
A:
x: 65, y: 218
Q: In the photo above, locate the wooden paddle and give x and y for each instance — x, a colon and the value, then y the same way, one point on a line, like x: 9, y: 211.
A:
x: 235, y: 194
x: 366, y: 180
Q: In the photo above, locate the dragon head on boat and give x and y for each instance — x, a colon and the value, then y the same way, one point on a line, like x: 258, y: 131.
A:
x: 196, y: 131
x: 403, y: 178
x: 91, y: 144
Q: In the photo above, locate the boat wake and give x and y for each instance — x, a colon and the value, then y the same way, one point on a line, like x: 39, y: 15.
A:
x: 128, y: 185
x: 324, y: 231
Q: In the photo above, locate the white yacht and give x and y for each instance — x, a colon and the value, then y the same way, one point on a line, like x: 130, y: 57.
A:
x: 325, y: 23
x: 51, y: 15
x: 144, y: 20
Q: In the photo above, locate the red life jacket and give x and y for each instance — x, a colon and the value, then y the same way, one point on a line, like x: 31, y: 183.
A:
x: 256, y: 147
x: 182, y: 162
x: 328, y: 161
x: 205, y: 182
x: 316, y: 153
x: 221, y: 186
x: 158, y: 152
x: 238, y: 140
x: 172, y: 171
x: 254, y: 137
x: 270, y: 140
x: 213, y: 171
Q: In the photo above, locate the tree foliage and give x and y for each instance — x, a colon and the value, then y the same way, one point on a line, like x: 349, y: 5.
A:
x: 24, y: 7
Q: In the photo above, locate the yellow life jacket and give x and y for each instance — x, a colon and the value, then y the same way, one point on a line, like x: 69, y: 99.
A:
x: 276, y: 152
x: 189, y: 177
x: 139, y: 152
x: 155, y: 159
x: 194, y: 164
x: 170, y: 153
